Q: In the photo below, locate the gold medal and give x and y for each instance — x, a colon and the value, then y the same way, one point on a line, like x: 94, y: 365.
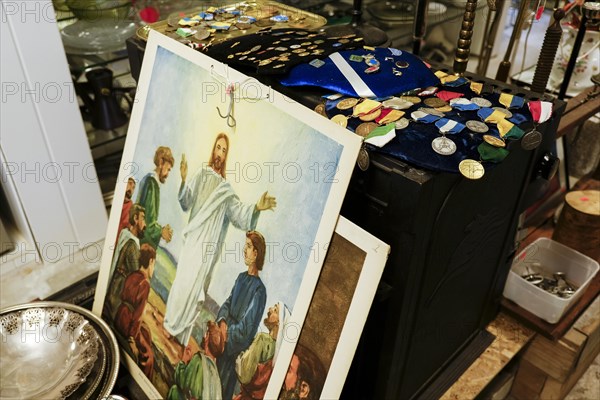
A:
x: 444, y: 109
x: 320, y: 109
x: 412, y: 99
x: 371, y: 116
x: 363, y: 159
x: 494, y: 141
x: 365, y: 128
x: 346, y: 103
x: 392, y: 116
x: 341, y: 120
x: 435, y: 102
x: 471, y: 169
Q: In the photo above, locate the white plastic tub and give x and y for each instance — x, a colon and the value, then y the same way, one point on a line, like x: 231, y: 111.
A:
x: 554, y: 257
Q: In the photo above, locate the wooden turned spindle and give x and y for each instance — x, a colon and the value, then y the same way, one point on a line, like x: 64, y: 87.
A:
x: 463, y: 49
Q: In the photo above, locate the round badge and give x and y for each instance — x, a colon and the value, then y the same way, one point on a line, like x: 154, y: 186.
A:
x: 202, y: 34
x: 503, y: 111
x: 341, y: 120
x: 477, y: 126
x: 346, y: 104
x: 531, y: 140
x: 320, y: 109
x: 494, y: 141
x: 471, y: 169
x: 444, y: 146
x: 397, y: 103
x: 363, y: 159
x: 401, y: 123
x: 412, y: 99
x: 402, y: 64
x: 365, y: 128
x: 434, y: 102
x: 481, y: 102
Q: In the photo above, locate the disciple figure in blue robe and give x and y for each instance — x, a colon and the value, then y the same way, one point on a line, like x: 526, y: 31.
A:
x: 240, y: 315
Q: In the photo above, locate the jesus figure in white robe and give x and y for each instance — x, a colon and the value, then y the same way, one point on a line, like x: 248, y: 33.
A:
x: 213, y: 205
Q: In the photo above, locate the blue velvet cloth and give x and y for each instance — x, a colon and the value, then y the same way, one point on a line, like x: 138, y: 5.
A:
x: 413, y: 144
x: 382, y: 83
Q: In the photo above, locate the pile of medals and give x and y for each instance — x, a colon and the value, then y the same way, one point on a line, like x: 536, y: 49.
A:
x: 194, y: 29
x: 453, y: 115
x: 275, y: 51
x: 557, y: 285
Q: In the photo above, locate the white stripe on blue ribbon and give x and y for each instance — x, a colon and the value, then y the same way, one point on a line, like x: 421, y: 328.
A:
x: 446, y: 125
x: 359, y: 86
x: 423, y: 117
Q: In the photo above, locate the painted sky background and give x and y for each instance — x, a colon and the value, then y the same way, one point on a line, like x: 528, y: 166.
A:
x: 269, y: 151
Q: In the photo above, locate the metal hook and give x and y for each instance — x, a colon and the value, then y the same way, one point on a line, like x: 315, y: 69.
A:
x: 229, y: 116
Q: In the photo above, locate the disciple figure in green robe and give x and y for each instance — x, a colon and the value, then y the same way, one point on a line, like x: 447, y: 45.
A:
x: 197, y: 377
x: 149, y: 197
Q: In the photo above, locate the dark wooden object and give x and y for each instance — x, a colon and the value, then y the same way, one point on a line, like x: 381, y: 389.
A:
x: 579, y: 224
x: 579, y: 109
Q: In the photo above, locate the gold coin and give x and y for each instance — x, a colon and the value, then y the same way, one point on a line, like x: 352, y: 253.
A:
x: 306, y: 53
x: 366, y: 106
x: 264, y: 62
x: 365, y: 128
x: 340, y: 119
x: 371, y: 116
x: 444, y: 109
x: 320, y: 109
x: 347, y: 103
x: 494, y: 141
x: 412, y: 99
x: 363, y: 159
x: 471, y: 169
x: 435, y: 102
x: 392, y: 116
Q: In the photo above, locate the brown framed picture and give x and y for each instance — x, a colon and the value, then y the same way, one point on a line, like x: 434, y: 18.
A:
x: 336, y: 316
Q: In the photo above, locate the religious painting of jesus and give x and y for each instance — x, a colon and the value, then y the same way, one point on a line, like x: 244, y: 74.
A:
x: 225, y: 205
